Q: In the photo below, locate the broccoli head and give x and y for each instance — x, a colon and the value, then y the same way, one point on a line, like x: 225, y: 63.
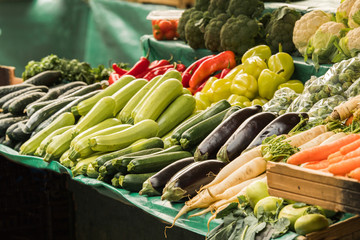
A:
x: 250, y: 8
x: 195, y: 28
x: 239, y: 34
x: 212, y: 32
x: 202, y: 5
x: 217, y: 7
x: 183, y: 20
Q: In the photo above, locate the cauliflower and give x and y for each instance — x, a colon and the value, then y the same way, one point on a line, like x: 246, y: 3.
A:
x: 306, y: 26
x: 343, y: 11
x: 239, y: 34
x: 250, y: 8
x: 212, y: 32
x: 194, y: 34
x: 349, y: 46
x: 280, y: 29
x: 354, y: 15
x: 185, y: 16
x: 217, y: 7
x: 202, y: 5
x: 322, y: 44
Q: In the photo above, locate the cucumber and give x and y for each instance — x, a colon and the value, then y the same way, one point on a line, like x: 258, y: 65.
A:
x: 156, y: 162
x: 102, y: 110
x: 70, y: 92
x: 82, y: 148
x: 158, y: 100
x: 126, y: 93
x: 133, y: 182
x: 139, y: 145
x: 11, y: 96
x: 111, y: 142
x: 6, y: 115
x: 7, y: 122
x: 66, y: 108
x: 10, y: 130
x: 45, y: 112
x: 171, y: 74
x: 58, y: 145
x: 86, y: 89
x: 5, y: 90
x: 18, y: 105
x: 18, y: 133
x: 35, y: 106
x: 216, y: 108
x: 86, y: 105
x: 47, y: 78
x: 17, y: 146
x: 125, y: 113
x: 9, y: 143
x: 175, y: 113
x: 197, y: 133
x: 30, y: 146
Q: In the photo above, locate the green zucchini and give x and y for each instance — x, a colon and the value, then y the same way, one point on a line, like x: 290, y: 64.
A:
x: 17, y: 146
x: 11, y: 96
x: 82, y: 165
x: 169, y: 75
x: 91, y: 172
x: 9, y: 143
x: 216, y: 108
x: 66, y: 108
x: 139, y: 145
x: 65, y: 161
x: 115, y: 180
x: 133, y: 182
x: 6, y: 115
x: 10, y: 130
x: 156, y: 162
x: 112, y: 142
x: 85, y: 106
x: 47, y: 78
x: 126, y: 93
x: 195, y: 134
x: 102, y: 110
x: 30, y: 146
x: 7, y: 122
x: 70, y: 92
x: 82, y: 148
x: 35, y: 106
x: 18, y: 105
x: 158, y: 100
x: 5, y: 90
x: 58, y: 145
x: 125, y: 113
x: 18, y: 133
x: 45, y: 112
x: 175, y: 113
x: 86, y: 89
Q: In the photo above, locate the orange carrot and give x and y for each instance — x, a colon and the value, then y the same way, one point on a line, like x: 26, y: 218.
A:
x: 316, y: 165
x: 349, y: 120
x: 355, y: 174
x: 319, y: 153
x: 335, y: 159
x: 352, y: 154
x: 334, y: 155
x: 350, y: 147
x: 345, y: 166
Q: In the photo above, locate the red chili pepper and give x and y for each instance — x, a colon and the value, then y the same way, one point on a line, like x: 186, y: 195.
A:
x: 224, y: 72
x: 201, y: 86
x: 218, y: 75
x: 159, y: 63
x: 113, y: 77
x: 186, y: 75
x: 158, y: 71
x: 222, y: 60
x: 180, y: 67
x: 118, y: 69
x: 140, y: 67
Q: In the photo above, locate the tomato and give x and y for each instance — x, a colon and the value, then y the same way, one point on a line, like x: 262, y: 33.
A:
x: 169, y: 35
x: 174, y: 23
x: 165, y: 26
x: 158, y: 35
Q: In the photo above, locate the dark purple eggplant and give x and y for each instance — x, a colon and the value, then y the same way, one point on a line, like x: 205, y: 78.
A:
x: 208, y: 148
x: 155, y: 184
x: 243, y: 136
x: 281, y: 125
x: 190, y: 179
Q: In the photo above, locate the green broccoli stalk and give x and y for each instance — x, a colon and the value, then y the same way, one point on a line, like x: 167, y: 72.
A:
x: 217, y: 7
x: 183, y: 20
x: 250, y: 8
x: 202, y: 5
x: 195, y: 28
x: 280, y: 28
x: 212, y: 32
x: 239, y: 34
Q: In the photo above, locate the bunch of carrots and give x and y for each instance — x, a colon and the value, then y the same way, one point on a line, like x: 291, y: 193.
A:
x: 340, y: 157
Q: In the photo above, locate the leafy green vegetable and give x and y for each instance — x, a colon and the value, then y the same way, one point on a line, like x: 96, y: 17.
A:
x: 276, y: 148
x: 202, y: 5
x: 195, y: 28
x: 250, y: 8
x: 183, y: 20
x: 212, y: 32
x: 217, y: 7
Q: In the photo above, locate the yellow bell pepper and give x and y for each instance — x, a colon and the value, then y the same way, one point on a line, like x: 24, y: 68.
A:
x: 220, y: 89
x: 295, y: 85
x: 208, y: 84
x: 235, y: 99
x: 254, y: 65
x: 263, y: 100
x: 268, y: 83
x: 236, y: 70
x: 244, y: 84
x: 262, y: 51
x: 202, y: 101
x: 282, y: 64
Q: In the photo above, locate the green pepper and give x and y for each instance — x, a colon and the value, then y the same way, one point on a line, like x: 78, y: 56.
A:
x: 245, y: 85
x: 295, y: 85
x: 268, y: 83
x: 254, y: 65
x: 202, y: 101
x: 220, y: 89
x: 262, y: 51
x: 235, y: 99
x: 236, y: 70
x: 282, y: 64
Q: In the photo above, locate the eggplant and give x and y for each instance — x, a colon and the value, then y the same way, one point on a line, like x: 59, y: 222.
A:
x: 208, y: 148
x: 244, y: 135
x: 189, y: 180
x: 155, y: 184
x: 280, y: 125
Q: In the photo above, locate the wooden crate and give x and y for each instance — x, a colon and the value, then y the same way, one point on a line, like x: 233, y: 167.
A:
x: 314, y: 187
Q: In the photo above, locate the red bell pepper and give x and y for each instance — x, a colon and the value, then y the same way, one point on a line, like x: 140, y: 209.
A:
x: 140, y: 67
x: 158, y: 71
x: 118, y: 69
x: 186, y: 75
x: 113, y: 77
x: 224, y: 72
